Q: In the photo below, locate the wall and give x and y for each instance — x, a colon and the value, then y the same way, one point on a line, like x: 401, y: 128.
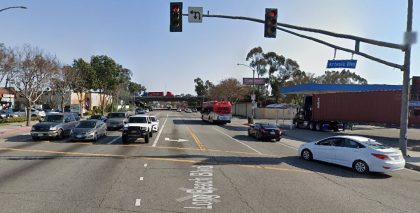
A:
x: 244, y: 109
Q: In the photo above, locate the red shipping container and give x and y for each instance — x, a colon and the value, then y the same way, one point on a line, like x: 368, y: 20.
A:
x: 374, y: 106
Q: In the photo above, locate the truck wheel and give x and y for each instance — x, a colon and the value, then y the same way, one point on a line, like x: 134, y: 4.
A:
x: 318, y: 127
x: 150, y: 134
x: 311, y: 126
x: 34, y: 138
x: 124, y: 139
x: 146, y: 138
x: 278, y: 139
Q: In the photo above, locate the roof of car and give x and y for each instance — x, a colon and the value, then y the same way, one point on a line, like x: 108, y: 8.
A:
x: 354, y: 137
x: 140, y: 115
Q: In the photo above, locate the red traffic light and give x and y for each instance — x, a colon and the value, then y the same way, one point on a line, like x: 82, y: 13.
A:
x: 272, y: 13
x: 175, y: 9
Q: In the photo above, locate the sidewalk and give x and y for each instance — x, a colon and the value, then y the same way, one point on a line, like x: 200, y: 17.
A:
x: 412, y: 162
x: 13, y: 128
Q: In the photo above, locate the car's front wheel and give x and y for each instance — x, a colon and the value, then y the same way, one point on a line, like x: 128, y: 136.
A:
x: 146, y: 138
x: 150, y: 134
x: 306, y: 154
x: 361, y: 167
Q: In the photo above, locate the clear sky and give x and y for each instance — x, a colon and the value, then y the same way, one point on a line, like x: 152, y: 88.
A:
x: 136, y: 34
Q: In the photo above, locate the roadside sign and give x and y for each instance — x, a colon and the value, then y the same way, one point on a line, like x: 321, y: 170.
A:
x: 257, y: 81
x: 253, y: 97
x: 349, y: 64
x: 195, y: 14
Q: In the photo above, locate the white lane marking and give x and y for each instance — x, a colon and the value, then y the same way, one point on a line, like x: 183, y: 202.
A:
x: 179, y: 140
x: 114, y: 140
x: 145, y: 165
x: 238, y: 141
x: 160, y: 131
x: 138, y: 202
x: 141, y: 178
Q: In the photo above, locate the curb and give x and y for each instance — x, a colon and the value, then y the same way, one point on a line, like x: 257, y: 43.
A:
x: 412, y: 166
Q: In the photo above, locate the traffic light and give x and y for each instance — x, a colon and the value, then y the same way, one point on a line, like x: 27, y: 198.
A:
x: 176, y: 17
x: 270, y: 25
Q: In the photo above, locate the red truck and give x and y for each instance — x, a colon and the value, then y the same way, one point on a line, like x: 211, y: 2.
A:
x: 155, y: 94
x: 334, y: 110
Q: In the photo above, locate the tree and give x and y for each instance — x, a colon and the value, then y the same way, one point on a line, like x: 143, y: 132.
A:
x: 82, y: 79
x: 61, y: 83
x: 202, y: 88
x: 107, y: 77
x: 229, y: 90
x: 7, y: 64
x: 257, y: 60
x: 32, y: 75
x: 343, y: 77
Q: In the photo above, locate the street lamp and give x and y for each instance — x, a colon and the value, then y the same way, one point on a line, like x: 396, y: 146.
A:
x: 253, y: 89
x: 14, y: 7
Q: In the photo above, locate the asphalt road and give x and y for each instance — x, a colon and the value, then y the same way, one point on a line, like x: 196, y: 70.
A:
x: 189, y: 166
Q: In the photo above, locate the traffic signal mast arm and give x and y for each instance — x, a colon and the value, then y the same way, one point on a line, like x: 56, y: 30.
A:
x: 328, y: 33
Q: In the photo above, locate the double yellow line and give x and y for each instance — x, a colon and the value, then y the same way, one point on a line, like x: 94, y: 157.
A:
x: 197, y: 141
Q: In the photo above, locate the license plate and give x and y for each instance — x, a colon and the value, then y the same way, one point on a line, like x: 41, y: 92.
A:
x: 272, y: 133
x: 78, y: 136
x: 40, y: 135
x: 133, y: 131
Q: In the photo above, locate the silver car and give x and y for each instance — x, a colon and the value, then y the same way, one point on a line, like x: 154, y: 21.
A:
x: 89, y: 130
x: 56, y: 125
x: 115, y: 120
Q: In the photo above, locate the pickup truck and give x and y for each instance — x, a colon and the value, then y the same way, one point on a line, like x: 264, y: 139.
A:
x: 137, y: 126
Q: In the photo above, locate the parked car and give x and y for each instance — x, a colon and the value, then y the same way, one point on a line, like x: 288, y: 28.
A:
x: 54, y: 126
x: 37, y: 113
x: 179, y: 110
x: 116, y: 120
x: 138, y: 126
x: 360, y: 153
x: 140, y: 111
x: 3, y: 114
x: 194, y: 110
x: 155, y: 123
x: 89, y: 130
x: 188, y: 110
x: 266, y: 131
x: 98, y: 117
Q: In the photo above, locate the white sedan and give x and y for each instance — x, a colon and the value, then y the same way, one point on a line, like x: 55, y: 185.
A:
x: 360, y: 153
x: 155, y: 123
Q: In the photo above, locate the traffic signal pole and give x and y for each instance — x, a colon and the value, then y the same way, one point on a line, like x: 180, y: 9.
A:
x: 406, y: 83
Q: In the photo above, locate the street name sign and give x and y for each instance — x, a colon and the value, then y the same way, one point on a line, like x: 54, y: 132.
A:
x: 195, y: 14
x: 350, y: 64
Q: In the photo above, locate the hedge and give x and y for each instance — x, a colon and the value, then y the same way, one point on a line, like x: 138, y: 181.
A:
x: 17, y: 119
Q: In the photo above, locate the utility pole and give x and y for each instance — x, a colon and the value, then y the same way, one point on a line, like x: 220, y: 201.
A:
x: 406, y: 82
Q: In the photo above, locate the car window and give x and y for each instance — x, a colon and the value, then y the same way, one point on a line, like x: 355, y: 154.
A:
x: 376, y: 145
x: 269, y: 126
x: 70, y: 118
x: 53, y: 118
x: 351, y: 144
x: 116, y: 115
x: 87, y: 124
x: 153, y: 119
x: 327, y: 142
x: 137, y: 120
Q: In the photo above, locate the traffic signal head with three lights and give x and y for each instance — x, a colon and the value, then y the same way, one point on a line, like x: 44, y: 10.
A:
x: 270, y: 25
x: 176, y: 17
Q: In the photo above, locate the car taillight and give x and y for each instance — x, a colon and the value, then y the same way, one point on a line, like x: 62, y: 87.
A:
x: 381, y: 156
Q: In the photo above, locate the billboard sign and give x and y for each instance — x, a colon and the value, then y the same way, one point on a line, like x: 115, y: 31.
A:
x: 253, y: 81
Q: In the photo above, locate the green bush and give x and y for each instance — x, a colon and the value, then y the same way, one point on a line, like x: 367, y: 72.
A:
x: 17, y: 119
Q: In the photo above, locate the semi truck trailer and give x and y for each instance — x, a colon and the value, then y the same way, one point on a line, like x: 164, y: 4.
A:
x: 333, y: 111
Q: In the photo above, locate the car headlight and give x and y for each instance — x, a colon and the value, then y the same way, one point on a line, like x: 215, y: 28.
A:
x: 53, y: 128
